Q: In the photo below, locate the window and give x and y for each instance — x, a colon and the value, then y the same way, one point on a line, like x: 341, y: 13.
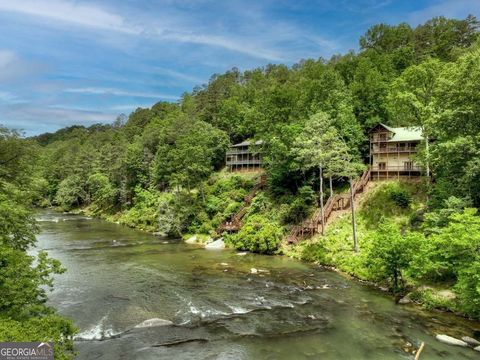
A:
x: 382, y: 137
x: 408, y: 165
x: 382, y: 166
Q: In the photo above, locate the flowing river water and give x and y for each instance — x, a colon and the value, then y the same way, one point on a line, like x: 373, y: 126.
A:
x: 118, y: 277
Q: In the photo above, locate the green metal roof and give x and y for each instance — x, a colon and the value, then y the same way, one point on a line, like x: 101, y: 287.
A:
x: 412, y: 133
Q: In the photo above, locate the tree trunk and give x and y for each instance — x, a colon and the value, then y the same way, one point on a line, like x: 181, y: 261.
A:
x: 427, y: 158
x: 395, y: 281
x: 331, y: 186
x: 322, y: 213
x: 203, y: 193
x: 354, y: 223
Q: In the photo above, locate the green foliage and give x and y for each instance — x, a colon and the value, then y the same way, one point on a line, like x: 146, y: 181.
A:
x: 393, y: 199
x: 443, y: 254
x: 71, y: 192
x: 260, y: 204
x: 146, y: 210
x: 300, y: 207
x: 17, y: 224
x: 156, y: 170
x: 258, y: 234
x: 468, y: 288
x: 401, y: 197
x: 43, y: 329
x: 440, y: 217
x: 25, y: 279
x: 23, y: 283
x: 224, y: 196
x: 389, y: 254
x: 101, y: 190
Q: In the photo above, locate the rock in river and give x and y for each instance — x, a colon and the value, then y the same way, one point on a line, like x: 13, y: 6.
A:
x: 153, y: 322
x: 471, y: 341
x: 192, y: 240
x: 405, y: 300
x: 215, y: 245
x: 451, y: 340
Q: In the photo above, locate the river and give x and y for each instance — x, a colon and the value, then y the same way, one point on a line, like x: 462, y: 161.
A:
x: 119, y: 277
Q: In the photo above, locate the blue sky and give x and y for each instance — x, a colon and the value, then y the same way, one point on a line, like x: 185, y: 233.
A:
x: 65, y: 62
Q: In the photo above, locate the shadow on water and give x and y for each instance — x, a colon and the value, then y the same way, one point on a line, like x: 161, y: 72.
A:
x: 118, y: 277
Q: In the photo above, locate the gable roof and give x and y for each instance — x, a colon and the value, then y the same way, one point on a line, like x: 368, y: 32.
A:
x: 411, y: 133
x: 248, y: 143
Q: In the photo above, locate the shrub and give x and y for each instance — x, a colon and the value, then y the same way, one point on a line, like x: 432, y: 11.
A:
x: 390, y: 254
x: 468, y: 288
x: 231, y: 209
x: 148, y: 206
x: 213, y: 205
x: 102, y: 192
x: 71, y: 192
x: 259, y: 204
x: 52, y: 327
x: 440, y: 218
x: 258, y: 234
x: 300, y: 207
x: 401, y: 197
x: 443, y: 255
x: 390, y: 200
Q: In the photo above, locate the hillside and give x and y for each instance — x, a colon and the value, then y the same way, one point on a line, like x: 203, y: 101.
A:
x: 162, y: 170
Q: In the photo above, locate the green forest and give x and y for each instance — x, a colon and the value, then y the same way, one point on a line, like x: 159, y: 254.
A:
x: 161, y: 169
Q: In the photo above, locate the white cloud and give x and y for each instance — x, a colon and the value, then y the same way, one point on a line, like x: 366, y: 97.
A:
x: 12, y: 67
x: 70, y: 12
x: 245, y: 46
x: 178, y: 75
x: 35, y: 114
x: 449, y: 9
x: 127, y: 107
x: 120, y: 92
x: 8, y: 97
x: 177, y: 28
x: 7, y: 57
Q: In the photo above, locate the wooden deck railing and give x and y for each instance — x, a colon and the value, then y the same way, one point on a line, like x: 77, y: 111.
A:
x: 235, y: 223
x: 313, y: 224
x: 394, y: 168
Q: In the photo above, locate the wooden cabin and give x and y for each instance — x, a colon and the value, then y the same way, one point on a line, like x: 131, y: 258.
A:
x: 244, y: 156
x: 392, y: 151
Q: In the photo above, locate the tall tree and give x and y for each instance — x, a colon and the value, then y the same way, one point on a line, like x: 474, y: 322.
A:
x: 412, y: 99
x: 317, y: 148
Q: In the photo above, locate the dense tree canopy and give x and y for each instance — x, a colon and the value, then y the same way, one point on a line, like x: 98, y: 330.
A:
x: 424, y: 76
x: 24, y: 278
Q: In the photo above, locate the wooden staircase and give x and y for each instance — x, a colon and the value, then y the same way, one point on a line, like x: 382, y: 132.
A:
x: 313, y: 224
x: 235, y: 223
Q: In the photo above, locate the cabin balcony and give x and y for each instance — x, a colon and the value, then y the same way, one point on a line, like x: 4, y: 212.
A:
x: 391, y: 172
x: 247, y: 162
x: 392, y: 168
x: 375, y: 149
x: 238, y: 151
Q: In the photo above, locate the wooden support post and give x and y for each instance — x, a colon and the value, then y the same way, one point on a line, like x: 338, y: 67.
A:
x: 321, y: 199
x: 354, y: 224
x: 417, y: 355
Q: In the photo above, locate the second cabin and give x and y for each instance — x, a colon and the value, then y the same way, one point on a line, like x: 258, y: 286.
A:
x: 393, y: 150
x: 244, y: 156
